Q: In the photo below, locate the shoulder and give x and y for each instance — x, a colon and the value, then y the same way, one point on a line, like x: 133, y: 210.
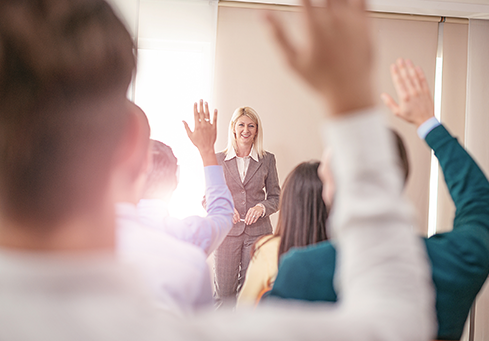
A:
x: 268, y: 158
x: 310, y: 254
x: 266, y: 242
x: 220, y: 157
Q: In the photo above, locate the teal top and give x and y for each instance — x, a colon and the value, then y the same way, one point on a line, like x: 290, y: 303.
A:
x: 459, y: 258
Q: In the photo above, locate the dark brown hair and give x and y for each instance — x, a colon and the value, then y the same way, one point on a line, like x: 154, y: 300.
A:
x: 302, y: 212
x: 65, y: 66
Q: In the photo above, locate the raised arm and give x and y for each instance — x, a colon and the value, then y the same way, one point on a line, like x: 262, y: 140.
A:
x: 466, y: 183
x: 209, y: 232
x: 460, y: 258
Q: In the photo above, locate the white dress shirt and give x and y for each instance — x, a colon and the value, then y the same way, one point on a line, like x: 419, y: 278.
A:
x: 207, y: 232
x: 242, y: 162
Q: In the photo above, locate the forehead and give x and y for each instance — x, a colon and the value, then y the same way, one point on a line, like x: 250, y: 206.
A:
x: 244, y: 119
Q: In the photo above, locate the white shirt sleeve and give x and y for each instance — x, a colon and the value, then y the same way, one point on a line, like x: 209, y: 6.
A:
x: 427, y: 126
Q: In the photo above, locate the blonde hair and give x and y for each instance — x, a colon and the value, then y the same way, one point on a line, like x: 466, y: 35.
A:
x: 252, y: 115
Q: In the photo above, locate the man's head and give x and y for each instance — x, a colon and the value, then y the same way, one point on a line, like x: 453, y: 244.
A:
x: 162, y: 180
x: 65, y: 67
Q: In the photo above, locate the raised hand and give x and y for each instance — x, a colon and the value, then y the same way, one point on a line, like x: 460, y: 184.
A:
x: 415, y: 99
x: 204, y: 134
x: 337, y: 57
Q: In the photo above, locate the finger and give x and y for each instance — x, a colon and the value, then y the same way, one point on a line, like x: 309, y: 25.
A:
x: 422, y: 79
x: 206, y: 112
x: 404, y: 73
x: 201, y: 110
x: 249, y: 217
x: 282, y: 40
x: 196, y: 114
x: 390, y: 103
x: 398, y: 81
x: 187, y: 129
x: 360, y: 4
x: 308, y: 11
x: 214, y: 119
x: 413, y: 76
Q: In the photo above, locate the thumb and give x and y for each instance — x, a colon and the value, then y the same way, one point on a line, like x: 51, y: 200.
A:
x: 390, y: 103
x: 187, y: 128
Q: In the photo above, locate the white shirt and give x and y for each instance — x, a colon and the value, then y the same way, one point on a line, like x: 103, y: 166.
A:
x: 207, y: 232
x: 242, y: 162
x: 176, y: 272
x: 386, y: 289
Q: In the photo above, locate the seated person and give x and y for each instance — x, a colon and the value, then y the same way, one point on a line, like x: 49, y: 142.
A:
x: 157, y: 254
x: 459, y: 258
x: 208, y: 232
x: 301, y: 221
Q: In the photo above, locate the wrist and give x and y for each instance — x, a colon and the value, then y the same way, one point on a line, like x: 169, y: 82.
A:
x: 208, y: 157
x: 418, y: 123
x: 262, y: 207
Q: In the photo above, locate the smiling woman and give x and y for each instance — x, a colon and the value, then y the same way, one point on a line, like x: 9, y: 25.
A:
x: 251, y: 175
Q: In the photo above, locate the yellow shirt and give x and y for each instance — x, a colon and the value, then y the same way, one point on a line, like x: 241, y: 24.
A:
x: 262, y: 270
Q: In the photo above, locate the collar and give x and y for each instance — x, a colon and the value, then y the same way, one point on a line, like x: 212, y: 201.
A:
x: 126, y: 210
x: 232, y: 154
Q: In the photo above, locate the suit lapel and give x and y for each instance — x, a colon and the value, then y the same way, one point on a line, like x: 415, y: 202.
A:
x: 252, y: 168
x: 232, y: 167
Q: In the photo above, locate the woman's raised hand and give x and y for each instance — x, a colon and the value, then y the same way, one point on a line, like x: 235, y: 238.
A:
x: 205, y: 133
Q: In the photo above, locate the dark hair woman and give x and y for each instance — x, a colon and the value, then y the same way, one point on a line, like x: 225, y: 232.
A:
x: 301, y: 221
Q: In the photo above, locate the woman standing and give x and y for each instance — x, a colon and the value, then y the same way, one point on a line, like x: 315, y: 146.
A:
x: 251, y: 175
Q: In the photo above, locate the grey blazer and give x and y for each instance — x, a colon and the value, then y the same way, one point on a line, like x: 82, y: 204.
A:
x: 259, y: 186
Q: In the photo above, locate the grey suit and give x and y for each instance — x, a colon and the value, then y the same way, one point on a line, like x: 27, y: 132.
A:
x: 261, y: 185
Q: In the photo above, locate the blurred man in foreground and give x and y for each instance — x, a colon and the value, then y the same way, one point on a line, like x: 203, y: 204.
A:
x: 66, y: 131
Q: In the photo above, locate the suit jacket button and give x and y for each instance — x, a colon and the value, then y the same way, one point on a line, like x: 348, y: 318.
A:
x: 244, y: 202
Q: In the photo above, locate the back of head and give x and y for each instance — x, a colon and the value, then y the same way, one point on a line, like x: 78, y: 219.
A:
x: 303, y: 214
x: 162, y: 178
x: 65, y: 66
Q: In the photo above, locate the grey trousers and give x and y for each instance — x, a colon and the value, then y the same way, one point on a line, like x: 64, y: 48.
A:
x: 231, y: 261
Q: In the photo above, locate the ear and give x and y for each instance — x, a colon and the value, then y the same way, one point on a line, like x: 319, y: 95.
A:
x: 134, y: 146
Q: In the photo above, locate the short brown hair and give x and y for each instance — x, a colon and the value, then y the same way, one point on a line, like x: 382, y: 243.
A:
x: 65, y: 66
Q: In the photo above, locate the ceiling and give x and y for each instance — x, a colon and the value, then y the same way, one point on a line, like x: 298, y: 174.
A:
x: 472, y: 9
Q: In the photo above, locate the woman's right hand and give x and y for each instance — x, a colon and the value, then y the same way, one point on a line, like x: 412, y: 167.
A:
x: 236, y: 217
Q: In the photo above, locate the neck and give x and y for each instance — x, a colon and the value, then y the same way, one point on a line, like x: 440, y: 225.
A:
x: 84, y: 232
x: 243, y: 150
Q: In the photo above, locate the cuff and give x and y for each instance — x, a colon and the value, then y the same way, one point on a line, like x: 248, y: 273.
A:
x: 214, y: 176
x: 427, y: 126
x: 264, y: 209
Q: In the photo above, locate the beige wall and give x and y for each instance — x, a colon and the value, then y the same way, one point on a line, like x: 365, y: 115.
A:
x: 249, y: 71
